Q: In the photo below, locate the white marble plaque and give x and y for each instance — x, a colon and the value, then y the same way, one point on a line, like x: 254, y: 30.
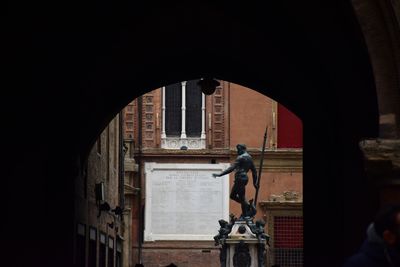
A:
x: 184, y: 201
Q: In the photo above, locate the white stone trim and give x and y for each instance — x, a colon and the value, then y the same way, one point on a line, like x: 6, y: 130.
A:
x: 189, y: 142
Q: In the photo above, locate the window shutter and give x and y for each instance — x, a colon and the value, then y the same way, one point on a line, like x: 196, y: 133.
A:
x: 193, y: 109
x: 173, y: 111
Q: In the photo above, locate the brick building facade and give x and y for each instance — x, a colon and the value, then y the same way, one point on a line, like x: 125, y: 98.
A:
x: 168, y: 125
x: 100, y: 229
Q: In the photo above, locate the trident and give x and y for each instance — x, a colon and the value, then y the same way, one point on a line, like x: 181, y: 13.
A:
x: 261, y: 165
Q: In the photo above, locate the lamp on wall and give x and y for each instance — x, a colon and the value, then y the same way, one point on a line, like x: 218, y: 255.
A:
x: 118, y: 210
x: 102, y: 204
x: 208, y: 85
x: 103, y: 207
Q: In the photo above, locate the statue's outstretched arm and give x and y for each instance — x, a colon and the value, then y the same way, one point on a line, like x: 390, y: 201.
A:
x: 228, y: 170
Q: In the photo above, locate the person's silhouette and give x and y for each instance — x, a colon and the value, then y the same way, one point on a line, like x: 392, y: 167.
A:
x: 382, y: 246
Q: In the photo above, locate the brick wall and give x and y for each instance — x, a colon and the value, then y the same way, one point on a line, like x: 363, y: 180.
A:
x: 101, y: 166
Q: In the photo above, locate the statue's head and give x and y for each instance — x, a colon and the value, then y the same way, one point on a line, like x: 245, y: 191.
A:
x: 260, y: 223
x: 222, y: 223
x: 241, y: 148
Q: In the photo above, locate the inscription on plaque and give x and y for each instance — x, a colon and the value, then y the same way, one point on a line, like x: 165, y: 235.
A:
x: 184, y: 201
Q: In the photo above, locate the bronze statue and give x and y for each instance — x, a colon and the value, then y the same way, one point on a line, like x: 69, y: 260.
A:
x: 241, y: 166
x: 225, y: 229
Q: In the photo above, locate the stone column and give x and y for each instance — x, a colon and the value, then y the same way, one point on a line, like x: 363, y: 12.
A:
x: 183, y: 131
x: 203, y: 116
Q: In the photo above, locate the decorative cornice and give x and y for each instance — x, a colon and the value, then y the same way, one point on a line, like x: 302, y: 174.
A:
x: 285, y: 205
x: 159, y: 152
x: 274, y: 160
x: 279, y: 160
x: 178, y: 142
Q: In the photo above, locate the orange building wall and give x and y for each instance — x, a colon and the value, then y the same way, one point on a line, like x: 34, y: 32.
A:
x: 272, y: 183
x: 250, y: 112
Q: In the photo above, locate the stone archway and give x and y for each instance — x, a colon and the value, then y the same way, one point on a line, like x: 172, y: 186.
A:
x: 308, y: 56
x: 380, y: 26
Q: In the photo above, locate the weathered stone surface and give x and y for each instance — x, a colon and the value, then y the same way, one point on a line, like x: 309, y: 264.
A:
x: 382, y: 156
x: 382, y: 163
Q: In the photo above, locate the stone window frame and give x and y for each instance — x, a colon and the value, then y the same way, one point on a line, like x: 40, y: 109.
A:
x: 183, y: 140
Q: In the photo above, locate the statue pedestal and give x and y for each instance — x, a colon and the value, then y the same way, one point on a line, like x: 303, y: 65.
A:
x: 242, y: 243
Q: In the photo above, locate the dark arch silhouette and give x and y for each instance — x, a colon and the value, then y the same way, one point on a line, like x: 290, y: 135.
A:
x: 71, y: 76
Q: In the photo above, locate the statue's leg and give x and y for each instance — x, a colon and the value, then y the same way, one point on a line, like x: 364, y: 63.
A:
x: 234, y: 193
x: 241, y: 196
